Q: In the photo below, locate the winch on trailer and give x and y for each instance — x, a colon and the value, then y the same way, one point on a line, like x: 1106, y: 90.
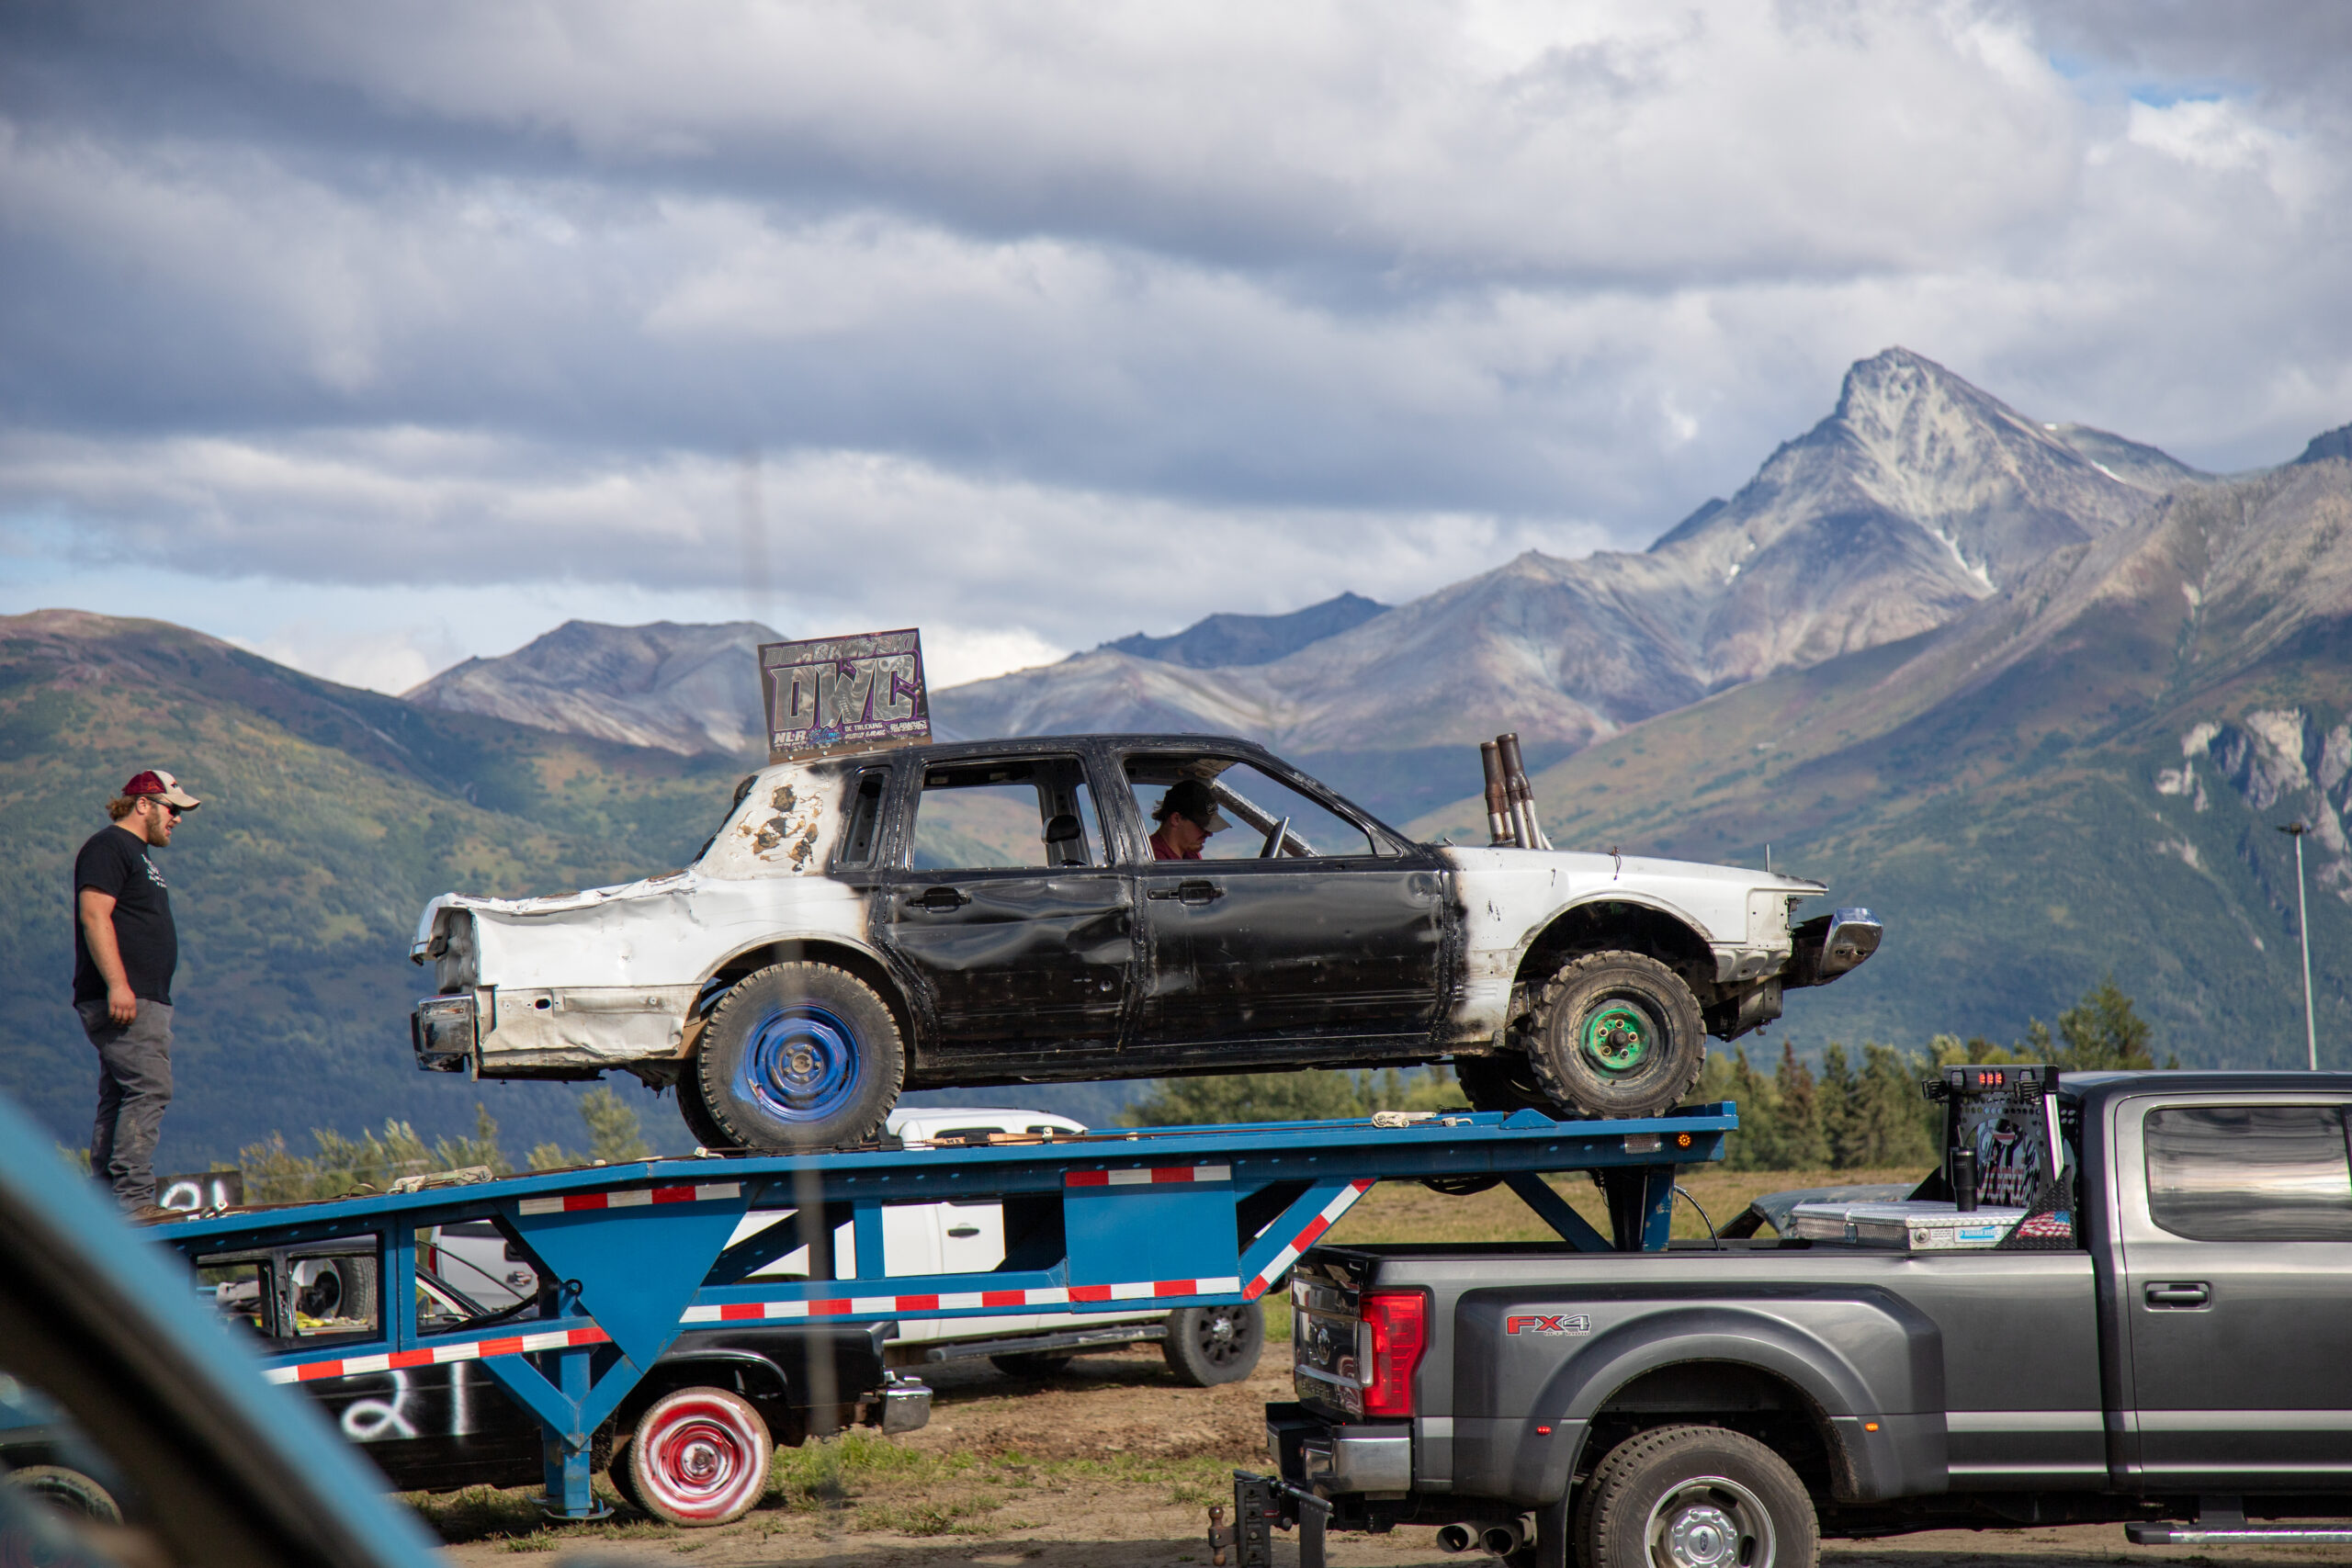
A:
x: 640, y: 1347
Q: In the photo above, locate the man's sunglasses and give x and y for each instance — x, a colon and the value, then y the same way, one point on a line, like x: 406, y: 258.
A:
x: 165, y: 806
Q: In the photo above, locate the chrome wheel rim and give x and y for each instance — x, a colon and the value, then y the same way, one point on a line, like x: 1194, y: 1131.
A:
x: 1710, y: 1521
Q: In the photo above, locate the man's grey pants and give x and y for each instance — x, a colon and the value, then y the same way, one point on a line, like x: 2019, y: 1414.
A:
x: 134, y: 1085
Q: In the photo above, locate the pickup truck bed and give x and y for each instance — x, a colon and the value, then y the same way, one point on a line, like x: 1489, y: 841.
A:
x: 2172, y: 1342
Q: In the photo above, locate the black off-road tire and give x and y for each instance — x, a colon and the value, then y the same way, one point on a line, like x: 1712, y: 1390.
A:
x: 1504, y: 1082
x: 1699, y: 1480
x: 1209, y: 1346
x: 68, y: 1491
x: 1037, y: 1364
x: 695, y: 1114
x: 1617, y: 1034
x: 800, y: 1056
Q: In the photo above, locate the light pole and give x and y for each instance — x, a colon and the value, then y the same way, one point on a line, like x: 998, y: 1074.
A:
x: 2303, y: 926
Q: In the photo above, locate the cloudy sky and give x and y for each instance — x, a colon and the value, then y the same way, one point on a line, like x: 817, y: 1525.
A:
x: 376, y: 336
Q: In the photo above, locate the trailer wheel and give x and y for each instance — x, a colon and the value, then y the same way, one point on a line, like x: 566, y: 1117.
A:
x: 1040, y: 1364
x: 800, y: 1056
x: 1695, y: 1497
x: 1617, y: 1034
x: 1208, y: 1345
x: 68, y: 1491
x: 699, y: 1457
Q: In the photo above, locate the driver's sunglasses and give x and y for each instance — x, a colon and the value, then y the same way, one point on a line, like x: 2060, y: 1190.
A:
x: 167, y: 805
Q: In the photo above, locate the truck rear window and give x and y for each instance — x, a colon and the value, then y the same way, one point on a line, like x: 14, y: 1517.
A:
x: 2250, y: 1172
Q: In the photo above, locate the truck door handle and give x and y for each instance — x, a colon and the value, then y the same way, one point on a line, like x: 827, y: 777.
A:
x: 1194, y: 892
x: 963, y: 1230
x: 939, y: 900
x: 2181, y: 1294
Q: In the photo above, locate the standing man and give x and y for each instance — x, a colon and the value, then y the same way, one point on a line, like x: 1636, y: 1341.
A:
x: 125, y: 948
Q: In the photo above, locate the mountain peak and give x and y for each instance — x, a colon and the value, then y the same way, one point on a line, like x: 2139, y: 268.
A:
x: 684, y: 688
x: 1224, y: 641
x: 2337, y: 443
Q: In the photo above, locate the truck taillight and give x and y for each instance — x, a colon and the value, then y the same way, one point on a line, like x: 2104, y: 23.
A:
x: 1397, y: 1322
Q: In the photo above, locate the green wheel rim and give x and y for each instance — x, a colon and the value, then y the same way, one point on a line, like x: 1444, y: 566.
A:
x: 1618, y: 1038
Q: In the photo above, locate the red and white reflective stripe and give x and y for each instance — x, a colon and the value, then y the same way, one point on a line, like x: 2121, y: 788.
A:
x: 638, y: 1197
x: 472, y: 1351
x: 1154, y: 1175
x: 960, y: 1300
x: 1305, y: 1239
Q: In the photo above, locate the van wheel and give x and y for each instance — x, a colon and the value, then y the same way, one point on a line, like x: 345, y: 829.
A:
x: 1695, y: 1497
x: 68, y: 1491
x: 1039, y: 1364
x: 698, y: 1456
x: 1617, y: 1034
x: 1208, y: 1345
x: 800, y: 1056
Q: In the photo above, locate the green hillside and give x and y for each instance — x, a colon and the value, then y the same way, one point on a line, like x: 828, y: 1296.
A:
x: 331, y: 816
x: 2081, y: 778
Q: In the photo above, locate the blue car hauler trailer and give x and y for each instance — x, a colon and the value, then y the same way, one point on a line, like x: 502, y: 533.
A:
x: 630, y: 1256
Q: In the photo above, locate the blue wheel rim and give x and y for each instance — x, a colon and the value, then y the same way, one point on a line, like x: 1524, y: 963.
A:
x: 800, y: 1063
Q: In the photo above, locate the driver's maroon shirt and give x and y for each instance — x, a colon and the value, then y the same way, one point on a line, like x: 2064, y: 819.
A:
x: 1162, y: 850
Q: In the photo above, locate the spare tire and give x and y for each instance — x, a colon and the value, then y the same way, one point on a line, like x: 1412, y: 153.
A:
x: 800, y: 1056
x: 1617, y: 1034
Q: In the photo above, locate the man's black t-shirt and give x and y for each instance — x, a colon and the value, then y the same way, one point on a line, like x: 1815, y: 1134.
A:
x: 115, y: 861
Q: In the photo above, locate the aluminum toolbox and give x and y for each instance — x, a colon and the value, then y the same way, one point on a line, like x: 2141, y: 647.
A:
x: 1913, y: 1226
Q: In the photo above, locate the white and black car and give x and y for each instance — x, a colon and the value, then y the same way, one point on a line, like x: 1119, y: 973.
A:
x: 990, y: 913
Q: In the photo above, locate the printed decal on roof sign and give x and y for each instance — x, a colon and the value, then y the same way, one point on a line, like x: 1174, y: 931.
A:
x: 845, y: 694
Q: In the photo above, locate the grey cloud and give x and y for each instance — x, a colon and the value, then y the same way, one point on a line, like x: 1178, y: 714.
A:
x: 339, y: 293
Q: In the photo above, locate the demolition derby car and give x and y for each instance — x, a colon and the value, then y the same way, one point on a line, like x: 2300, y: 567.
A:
x: 990, y: 913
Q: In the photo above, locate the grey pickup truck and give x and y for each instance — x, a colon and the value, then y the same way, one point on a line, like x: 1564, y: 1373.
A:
x: 2122, y: 1297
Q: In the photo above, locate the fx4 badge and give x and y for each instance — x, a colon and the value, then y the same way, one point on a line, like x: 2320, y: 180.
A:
x: 1570, y: 1322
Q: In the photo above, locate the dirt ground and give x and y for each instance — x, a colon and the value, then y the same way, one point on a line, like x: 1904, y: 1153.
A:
x: 1109, y: 1465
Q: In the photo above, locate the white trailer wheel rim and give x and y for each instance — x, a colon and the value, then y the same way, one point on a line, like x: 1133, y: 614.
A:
x: 1710, y: 1521
x: 700, y: 1456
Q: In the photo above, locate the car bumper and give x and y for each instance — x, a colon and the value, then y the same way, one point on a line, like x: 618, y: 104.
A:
x: 444, y: 1032
x: 1372, y: 1460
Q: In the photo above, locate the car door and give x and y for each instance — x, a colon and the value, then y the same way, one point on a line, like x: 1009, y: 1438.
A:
x: 1005, y: 912
x: 1301, y: 925
x: 2235, y: 1217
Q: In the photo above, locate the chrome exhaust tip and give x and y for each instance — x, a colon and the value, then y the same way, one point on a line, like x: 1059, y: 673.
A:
x: 1454, y: 1537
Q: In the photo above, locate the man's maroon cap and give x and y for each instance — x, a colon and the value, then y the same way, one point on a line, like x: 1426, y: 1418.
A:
x: 164, y: 788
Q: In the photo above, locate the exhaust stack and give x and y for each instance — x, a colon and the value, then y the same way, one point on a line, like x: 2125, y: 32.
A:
x: 1501, y: 829
x: 1522, y: 796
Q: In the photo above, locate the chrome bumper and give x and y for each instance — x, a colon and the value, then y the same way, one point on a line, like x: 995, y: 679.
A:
x: 1360, y: 1459
x: 906, y: 1405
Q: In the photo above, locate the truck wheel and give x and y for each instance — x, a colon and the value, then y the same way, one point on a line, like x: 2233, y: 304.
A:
x: 800, y: 1056
x: 699, y: 1457
x: 694, y: 1112
x: 68, y: 1491
x: 1695, y: 1497
x: 1208, y: 1345
x: 1503, y: 1081
x: 1040, y: 1364
x: 1617, y: 1034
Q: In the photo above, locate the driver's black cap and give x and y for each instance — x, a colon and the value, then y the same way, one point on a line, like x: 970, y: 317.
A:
x: 1191, y: 797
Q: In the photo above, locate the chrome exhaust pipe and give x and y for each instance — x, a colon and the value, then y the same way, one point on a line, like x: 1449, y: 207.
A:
x: 1500, y: 825
x: 1503, y: 1540
x: 1522, y: 795
x: 1454, y: 1537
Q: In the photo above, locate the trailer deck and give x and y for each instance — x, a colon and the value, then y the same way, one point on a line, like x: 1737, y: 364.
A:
x: 631, y: 1255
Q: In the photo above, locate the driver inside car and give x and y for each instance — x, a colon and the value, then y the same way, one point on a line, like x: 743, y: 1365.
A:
x: 1187, y: 816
